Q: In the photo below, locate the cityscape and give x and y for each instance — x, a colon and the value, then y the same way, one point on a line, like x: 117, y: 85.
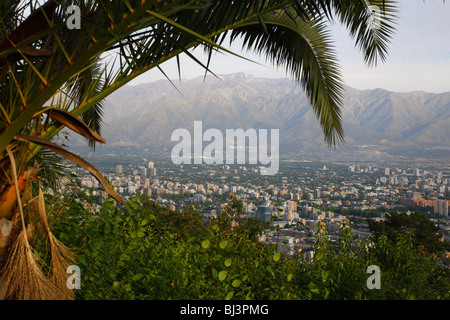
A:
x: 214, y: 152
x: 291, y: 202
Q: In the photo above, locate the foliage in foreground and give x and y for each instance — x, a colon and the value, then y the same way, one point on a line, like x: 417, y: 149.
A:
x: 145, y: 251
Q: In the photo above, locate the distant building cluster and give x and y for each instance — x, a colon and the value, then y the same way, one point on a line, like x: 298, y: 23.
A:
x: 440, y: 207
x: 426, y: 182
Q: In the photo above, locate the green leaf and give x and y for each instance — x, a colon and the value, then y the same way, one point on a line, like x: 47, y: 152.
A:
x: 222, y: 275
x: 124, y: 257
x: 325, y: 275
x: 223, y: 244
x: 137, y: 277
x: 205, y: 244
x: 269, y: 268
x: 191, y: 239
x: 236, y: 283
x: 313, y: 288
x: 319, y: 256
x: 276, y: 256
x: 215, y: 273
x: 229, y: 295
x: 143, y: 223
x: 228, y: 262
x: 141, y: 233
x: 133, y: 205
x: 82, y: 259
x: 289, y: 277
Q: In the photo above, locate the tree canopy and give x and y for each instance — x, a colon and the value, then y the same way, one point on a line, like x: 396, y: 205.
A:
x: 425, y: 231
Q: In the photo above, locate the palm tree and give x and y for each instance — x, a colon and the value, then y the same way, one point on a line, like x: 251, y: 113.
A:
x: 53, y: 77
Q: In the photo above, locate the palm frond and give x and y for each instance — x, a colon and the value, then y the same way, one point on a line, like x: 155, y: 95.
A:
x: 91, y: 83
x: 304, y: 48
x: 371, y: 29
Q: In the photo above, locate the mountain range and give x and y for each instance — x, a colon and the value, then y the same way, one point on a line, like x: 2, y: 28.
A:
x: 145, y: 115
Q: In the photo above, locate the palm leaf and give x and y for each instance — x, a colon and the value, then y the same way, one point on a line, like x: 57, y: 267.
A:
x: 74, y: 123
x: 359, y: 19
x: 74, y: 158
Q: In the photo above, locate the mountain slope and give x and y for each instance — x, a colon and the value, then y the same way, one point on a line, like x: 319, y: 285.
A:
x: 147, y: 114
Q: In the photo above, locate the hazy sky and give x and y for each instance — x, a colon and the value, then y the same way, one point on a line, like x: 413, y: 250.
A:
x: 419, y: 55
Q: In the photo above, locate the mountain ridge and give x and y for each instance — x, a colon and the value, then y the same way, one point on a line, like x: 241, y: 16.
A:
x: 146, y: 114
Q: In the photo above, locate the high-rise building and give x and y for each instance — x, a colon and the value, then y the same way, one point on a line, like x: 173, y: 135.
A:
x: 317, y: 194
x: 417, y: 172
x: 386, y: 171
x: 264, y: 213
x: 151, y: 165
x: 293, y: 205
x: 439, y: 177
x: 119, y: 169
x: 306, y: 210
x: 393, y: 180
x: 441, y: 207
